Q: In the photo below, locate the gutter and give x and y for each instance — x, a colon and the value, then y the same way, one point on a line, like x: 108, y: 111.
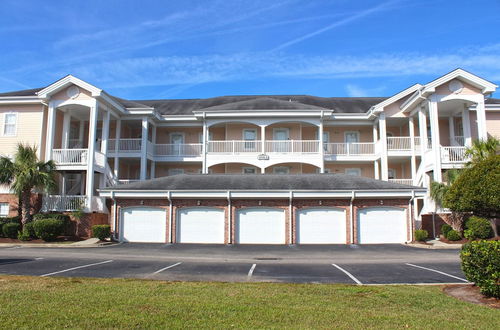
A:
x: 229, y: 215
x: 170, y: 213
x: 412, y: 214
x: 290, y: 215
x: 351, y: 214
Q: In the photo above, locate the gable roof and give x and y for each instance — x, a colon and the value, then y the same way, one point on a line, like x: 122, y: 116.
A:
x: 24, y: 92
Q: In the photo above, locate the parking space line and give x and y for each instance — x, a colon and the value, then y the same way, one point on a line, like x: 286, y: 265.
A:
x: 168, y: 267
x: 439, y: 272
x: 78, y: 267
x: 348, y: 274
x: 250, y: 272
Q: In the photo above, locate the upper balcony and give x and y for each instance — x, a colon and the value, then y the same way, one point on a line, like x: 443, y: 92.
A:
x: 76, y: 159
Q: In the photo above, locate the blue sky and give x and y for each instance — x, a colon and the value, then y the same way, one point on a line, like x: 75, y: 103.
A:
x: 189, y: 49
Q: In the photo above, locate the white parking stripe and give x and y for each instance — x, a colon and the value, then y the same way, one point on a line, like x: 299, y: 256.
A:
x: 348, y: 274
x: 250, y: 272
x: 439, y: 272
x: 168, y: 267
x: 70, y: 269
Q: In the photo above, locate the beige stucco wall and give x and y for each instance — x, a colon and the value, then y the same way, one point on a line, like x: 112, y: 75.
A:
x: 340, y: 168
x: 468, y: 89
x: 61, y: 95
x: 337, y: 134
x: 30, y: 122
x: 191, y: 134
x: 493, y: 123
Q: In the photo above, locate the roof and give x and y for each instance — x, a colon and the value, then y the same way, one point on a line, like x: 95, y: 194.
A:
x: 492, y: 101
x: 212, y: 182
x: 24, y: 92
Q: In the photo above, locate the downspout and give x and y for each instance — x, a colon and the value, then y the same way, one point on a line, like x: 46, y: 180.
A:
x: 290, y: 216
x: 351, y: 215
x: 170, y: 212
x: 115, y: 214
x: 229, y: 218
x: 411, y: 214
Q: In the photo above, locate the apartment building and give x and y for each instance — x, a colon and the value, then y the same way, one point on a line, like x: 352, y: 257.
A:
x: 383, y: 152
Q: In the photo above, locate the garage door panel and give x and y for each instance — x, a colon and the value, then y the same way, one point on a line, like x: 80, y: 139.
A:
x: 382, y: 225
x: 260, y: 226
x: 321, y: 226
x: 200, y: 225
x: 143, y: 224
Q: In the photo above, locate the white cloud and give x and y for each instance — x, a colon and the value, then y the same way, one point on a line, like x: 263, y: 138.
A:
x: 357, y: 91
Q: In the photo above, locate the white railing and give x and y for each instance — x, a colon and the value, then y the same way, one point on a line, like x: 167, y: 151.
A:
x: 70, y: 156
x: 127, y: 181
x: 417, y: 141
x: 75, y: 143
x: 234, y: 146
x: 398, y: 143
x: 125, y: 145
x: 292, y: 146
x: 189, y: 149
x: 459, y: 140
x: 429, y: 143
x: 402, y: 181
x: 63, y: 203
x: 350, y: 149
x: 453, y: 155
x: 100, y: 159
x: 99, y: 204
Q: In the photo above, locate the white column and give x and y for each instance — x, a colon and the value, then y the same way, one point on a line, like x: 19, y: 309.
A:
x: 383, y: 144
x: 422, y: 127
x: 413, y: 159
x: 89, y: 182
x: 80, y: 132
x: 105, y: 133
x: 436, y: 143
x: 466, y: 126
x: 482, y: 132
x: 118, y: 131
x: 376, y: 170
x: 152, y: 171
x: 65, y: 130
x: 375, y: 132
x: 321, y: 147
x: 451, y: 125
x: 204, y: 147
x: 263, y: 139
x: 144, y: 146
x: 51, y: 124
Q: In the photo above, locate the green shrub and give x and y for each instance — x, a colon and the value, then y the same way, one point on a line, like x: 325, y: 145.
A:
x: 453, y: 235
x: 48, y: 229
x: 481, y: 265
x: 421, y: 235
x: 40, y: 216
x: 23, y: 236
x: 29, y: 229
x: 445, y: 229
x: 476, y: 227
x: 101, y: 231
x: 11, y: 230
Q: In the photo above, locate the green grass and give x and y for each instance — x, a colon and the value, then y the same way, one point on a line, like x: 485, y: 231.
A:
x: 31, y: 302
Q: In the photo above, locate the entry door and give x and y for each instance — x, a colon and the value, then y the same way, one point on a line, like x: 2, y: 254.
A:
x: 382, y: 225
x: 260, y: 226
x: 250, y: 137
x: 177, y: 140
x: 351, y: 138
x: 281, y: 137
x: 143, y: 224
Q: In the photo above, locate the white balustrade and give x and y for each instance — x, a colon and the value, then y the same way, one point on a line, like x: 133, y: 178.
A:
x: 453, y: 155
x: 402, y: 181
x: 127, y: 181
x: 292, y: 146
x: 70, y: 156
x: 350, y: 149
x: 63, y: 203
x: 234, y: 146
x: 459, y: 140
x: 125, y: 145
x: 398, y: 143
x: 100, y: 159
x: 189, y: 149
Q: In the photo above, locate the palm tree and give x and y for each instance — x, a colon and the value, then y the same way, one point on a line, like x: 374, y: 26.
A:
x: 481, y: 149
x: 26, y: 173
x: 438, y: 189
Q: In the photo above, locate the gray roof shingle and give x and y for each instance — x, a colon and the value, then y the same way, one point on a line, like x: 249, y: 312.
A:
x: 24, y: 92
x: 262, y: 182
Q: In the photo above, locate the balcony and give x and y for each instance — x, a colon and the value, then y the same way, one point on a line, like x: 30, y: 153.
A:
x: 350, y: 149
x: 453, y: 155
x: 125, y: 145
x: 70, y: 156
x: 408, y: 182
x: 402, y: 143
x: 179, y: 150
x: 236, y: 147
x: 63, y: 203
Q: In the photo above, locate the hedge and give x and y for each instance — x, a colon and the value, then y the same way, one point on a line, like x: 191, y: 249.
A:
x: 101, y: 231
x: 421, y: 235
x: 29, y: 230
x: 453, y: 235
x: 481, y: 265
x: 48, y: 229
x: 11, y: 230
x: 476, y: 227
x: 445, y: 229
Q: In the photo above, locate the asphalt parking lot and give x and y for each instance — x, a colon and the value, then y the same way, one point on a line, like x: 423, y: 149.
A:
x: 374, y: 264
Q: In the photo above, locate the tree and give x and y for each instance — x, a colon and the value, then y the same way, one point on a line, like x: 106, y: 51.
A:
x: 480, y: 149
x: 26, y: 173
x: 477, y: 190
x: 438, y: 192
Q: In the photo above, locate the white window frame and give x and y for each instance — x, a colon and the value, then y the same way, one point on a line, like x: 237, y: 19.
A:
x: 281, y: 129
x: 349, y: 132
x: 276, y: 168
x: 172, y: 170
x: 5, y: 123
x: 357, y: 169
x: 2, y: 207
x: 177, y: 133
x: 243, y: 169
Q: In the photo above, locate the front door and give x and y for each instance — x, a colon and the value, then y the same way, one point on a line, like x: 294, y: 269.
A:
x: 351, y: 139
x: 177, y: 140
x: 281, y: 140
x: 250, y: 137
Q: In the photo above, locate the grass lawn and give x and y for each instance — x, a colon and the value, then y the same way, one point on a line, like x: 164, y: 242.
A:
x: 32, y: 302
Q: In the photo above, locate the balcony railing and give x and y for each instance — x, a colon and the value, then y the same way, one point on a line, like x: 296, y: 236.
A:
x: 125, y: 145
x: 63, y: 203
x: 453, y: 155
x: 402, y: 181
x: 181, y: 150
x: 292, y: 146
x: 401, y: 142
x: 350, y: 149
x: 70, y: 156
x: 234, y: 146
x: 127, y: 181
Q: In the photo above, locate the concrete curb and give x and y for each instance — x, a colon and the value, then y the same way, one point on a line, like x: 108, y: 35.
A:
x: 58, y: 245
x: 435, y: 247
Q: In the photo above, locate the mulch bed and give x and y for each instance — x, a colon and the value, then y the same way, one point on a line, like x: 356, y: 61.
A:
x: 470, y: 293
x: 464, y: 240
x: 60, y: 239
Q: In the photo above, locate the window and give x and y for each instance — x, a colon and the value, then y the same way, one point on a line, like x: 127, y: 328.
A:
x: 4, y: 209
x: 175, y: 171
x: 391, y: 173
x: 281, y: 170
x: 9, y: 124
x: 249, y: 170
x: 353, y: 171
x: 250, y: 137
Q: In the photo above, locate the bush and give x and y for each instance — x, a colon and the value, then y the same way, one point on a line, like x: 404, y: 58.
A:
x: 29, y: 229
x: 453, y: 235
x: 101, y: 231
x: 445, y: 229
x: 11, y: 230
x: 476, y: 227
x: 421, y: 235
x: 481, y: 265
x: 23, y: 236
x: 48, y: 229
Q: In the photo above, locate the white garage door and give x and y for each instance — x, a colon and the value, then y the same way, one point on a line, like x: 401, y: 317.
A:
x: 260, y: 226
x: 381, y: 225
x: 200, y: 225
x: 143, y: 224
x: 321, y: 226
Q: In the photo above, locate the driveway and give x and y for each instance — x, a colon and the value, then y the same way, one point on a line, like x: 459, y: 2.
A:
x: 355, y: 264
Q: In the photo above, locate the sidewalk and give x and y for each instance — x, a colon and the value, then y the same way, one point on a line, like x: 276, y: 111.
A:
x: 88, y: 243
x: 435, y: 245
